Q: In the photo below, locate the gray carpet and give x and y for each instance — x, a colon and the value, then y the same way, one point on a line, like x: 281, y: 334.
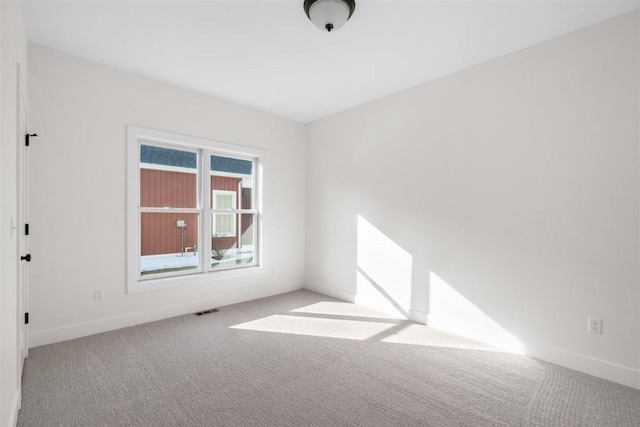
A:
x: 303, y: 359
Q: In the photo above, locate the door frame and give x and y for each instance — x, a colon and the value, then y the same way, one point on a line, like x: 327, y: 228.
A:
x: 22, y: 194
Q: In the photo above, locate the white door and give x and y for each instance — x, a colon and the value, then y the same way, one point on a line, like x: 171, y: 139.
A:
x: 21, y: 229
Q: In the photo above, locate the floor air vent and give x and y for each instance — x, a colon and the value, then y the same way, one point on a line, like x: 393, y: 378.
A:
x: 200, y: 313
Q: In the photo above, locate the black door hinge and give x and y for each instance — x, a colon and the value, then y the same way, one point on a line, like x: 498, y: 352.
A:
x: 26, y: 318
x: 27, y: 136
x: 26, y: 229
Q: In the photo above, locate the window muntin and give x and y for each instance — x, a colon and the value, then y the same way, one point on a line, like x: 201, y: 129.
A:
x: 175, y: 185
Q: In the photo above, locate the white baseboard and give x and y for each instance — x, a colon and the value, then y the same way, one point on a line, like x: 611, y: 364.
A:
x: 598, y: 368
x: 418, y: 316
x: 474, y: 332
x: 15, y: 408
x: 331, y: 292
x: 78, y: 330
x: 579, y: 362
x: 414, y: 315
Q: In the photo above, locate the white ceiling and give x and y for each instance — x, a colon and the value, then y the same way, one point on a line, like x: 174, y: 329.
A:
x: 267, y: 55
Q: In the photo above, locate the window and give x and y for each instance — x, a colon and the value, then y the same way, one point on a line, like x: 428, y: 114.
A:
x: 193, y: 208
x: 224, y: 224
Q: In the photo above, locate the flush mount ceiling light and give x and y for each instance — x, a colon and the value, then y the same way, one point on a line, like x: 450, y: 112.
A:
x: 329, y: 15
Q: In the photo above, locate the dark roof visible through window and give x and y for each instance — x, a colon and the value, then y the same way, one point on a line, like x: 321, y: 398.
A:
x: 187, y: 159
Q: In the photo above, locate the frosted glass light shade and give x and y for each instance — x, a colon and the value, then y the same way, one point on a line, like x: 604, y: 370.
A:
x: 329, y: 15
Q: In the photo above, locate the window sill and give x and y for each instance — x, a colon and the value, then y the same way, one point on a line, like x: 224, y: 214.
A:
x: 211, y: 277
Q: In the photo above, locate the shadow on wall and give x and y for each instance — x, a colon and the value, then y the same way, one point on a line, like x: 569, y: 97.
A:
x: 384, y: 282
x: 384, y: 272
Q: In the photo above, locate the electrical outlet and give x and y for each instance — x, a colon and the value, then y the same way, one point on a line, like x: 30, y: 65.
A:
x: 595, y: 325
x: 98, y: 294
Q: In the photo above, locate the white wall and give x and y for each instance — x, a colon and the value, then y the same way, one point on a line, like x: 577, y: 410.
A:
x: 504, y: 199
x: 80, y: 110
x: 501, y: 202
x: 13, y: 50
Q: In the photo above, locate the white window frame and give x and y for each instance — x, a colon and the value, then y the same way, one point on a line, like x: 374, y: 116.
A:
x: 205, y: 148
x: 234, y: 201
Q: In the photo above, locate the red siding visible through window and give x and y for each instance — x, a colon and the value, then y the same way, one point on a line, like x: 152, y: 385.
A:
x: 159, y: 188
x: 160, y: 235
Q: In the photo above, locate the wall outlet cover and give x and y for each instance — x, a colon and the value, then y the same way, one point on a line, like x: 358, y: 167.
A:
x: 595, y: 325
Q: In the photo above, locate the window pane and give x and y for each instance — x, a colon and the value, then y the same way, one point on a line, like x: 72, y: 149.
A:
x: 231, y: 175
x: 168, y: 177
x: 169, y: 242
x: 236, y: 250
x: 246, y: 188
x: 247, y: 232
x: 231, y: 166
x: 224, y: 225
x: 224, y: 201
